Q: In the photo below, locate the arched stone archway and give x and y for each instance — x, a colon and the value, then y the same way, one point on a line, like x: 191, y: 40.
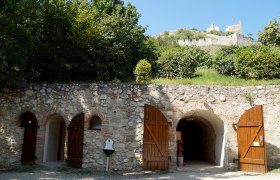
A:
x: 203, y: 135
x: 54, y: 138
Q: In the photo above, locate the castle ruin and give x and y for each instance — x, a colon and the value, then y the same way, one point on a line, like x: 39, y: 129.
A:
x: 215, y: 40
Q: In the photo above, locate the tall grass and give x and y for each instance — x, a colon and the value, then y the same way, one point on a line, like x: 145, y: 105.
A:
x: 206, y: 76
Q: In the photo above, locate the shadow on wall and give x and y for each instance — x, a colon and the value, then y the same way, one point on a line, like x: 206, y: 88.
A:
x: 10, y: 143
x: 272, y: 154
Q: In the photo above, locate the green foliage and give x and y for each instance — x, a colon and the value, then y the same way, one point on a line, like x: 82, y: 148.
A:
x: 168, y: 40
x: 223, y: 60
x: 220, y: 33
x: 258, y: 62
x: 248, y: 96
x: 271, y: 34
x: 189, y: 34
x: 143, y: 71
x: 15, y: 42
x: 205, y: 76
x: 75, y: 40
x: 125, y: 42
x: 165, y: 42
x: 251, y: 62
x: 181, y: 62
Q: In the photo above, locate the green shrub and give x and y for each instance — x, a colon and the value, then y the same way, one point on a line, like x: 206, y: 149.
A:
x: 220, y: 33
x: 181, y: 62
x: 143, y: 71
x: 189, y: 34
x: 223, y: 60
x: 257, y: 62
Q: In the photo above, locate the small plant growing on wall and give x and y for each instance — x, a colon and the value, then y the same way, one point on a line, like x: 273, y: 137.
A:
x: 249, y: 98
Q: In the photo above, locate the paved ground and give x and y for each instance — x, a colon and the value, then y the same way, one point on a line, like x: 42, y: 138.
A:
x: 196, y: 172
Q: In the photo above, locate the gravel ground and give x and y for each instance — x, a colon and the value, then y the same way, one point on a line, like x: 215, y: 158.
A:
x: 196, y: 172
x: 44, y: 175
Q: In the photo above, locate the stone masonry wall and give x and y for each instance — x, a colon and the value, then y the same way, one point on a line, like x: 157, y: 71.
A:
x: 210, y: 40
x: 121, y: 108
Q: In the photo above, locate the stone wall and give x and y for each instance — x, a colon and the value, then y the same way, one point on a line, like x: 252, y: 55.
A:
x: 212, y: 40
x: 121, y: 108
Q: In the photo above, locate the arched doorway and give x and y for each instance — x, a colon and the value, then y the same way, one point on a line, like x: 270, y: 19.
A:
x: 55, y: 138
x: 30, y: 124
x: 202, y: 133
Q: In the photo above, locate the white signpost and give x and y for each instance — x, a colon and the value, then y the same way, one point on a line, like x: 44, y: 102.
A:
x: 108, y: 150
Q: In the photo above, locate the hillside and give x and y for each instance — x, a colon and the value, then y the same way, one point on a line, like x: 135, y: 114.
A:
x: 207, y: 40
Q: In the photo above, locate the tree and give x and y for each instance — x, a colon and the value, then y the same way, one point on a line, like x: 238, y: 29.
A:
x: 271, y: 34
x: 124, y: 42
x: 73, y: 40
x: 15, y: 42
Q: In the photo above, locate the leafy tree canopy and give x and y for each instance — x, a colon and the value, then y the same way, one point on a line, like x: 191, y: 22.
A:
x: 271, y: 34
x: 70, y: 40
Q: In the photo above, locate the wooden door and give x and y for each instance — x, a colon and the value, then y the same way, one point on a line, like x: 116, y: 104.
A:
x: 156, y: 135
x: 60, y: 147
x: 30, y: 124
x: 75, y: 141
x: 251, y: 141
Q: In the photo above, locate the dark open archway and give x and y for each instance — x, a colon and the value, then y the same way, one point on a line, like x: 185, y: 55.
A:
x: 202, y: 133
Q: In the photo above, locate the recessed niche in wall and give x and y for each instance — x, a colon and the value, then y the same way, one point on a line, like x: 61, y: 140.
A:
x: 95, y: 123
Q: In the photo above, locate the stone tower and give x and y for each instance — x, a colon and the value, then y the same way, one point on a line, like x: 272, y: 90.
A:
x: 236, y: 28
x: 213, y: 28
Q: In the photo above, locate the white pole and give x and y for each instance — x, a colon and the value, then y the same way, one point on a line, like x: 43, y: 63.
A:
x: 107, y: 166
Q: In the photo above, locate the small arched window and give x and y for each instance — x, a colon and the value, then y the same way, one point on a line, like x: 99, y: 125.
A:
x: 95, y: 123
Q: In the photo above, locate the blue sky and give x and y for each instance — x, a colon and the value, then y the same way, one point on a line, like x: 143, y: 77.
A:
x: 163, y: 15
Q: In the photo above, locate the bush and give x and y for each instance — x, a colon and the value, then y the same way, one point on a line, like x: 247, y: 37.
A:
x: 258, y: 62
x: 220, y: 33
x: 181, y: 62
x: 223, y: 60
x: 143, y: 71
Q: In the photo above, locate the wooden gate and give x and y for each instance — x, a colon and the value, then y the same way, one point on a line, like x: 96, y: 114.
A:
x: 251, y: 141
x: 156, y: 135
x: 61, y: 139
x: 30, y: 124
x: 75, y: 141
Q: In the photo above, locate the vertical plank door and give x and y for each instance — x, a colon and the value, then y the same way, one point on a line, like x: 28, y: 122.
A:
x: 75, y: 141
x: 156, y: 134
x: 30, y: 124
x: 251, y: 141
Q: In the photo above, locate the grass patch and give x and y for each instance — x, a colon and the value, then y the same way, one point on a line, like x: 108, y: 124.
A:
x: 211, y: 77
